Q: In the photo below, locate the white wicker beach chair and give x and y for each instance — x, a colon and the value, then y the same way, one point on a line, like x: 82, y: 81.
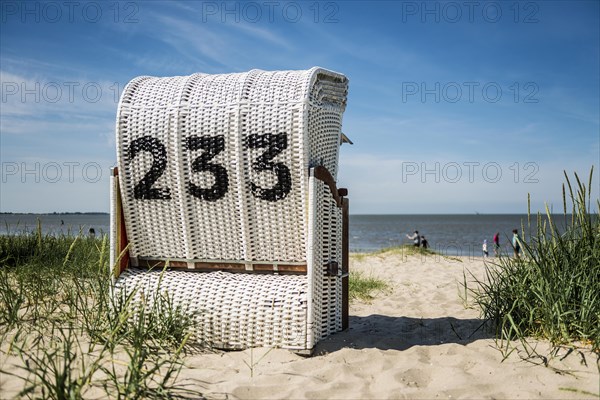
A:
x: 229, y: 181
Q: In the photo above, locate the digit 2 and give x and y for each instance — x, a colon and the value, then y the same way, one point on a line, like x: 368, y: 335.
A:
x: 212, y: 145
x: 275, y: 144
x: 143, y: 189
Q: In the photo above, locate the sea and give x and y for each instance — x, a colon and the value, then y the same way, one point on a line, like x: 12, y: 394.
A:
x: 448, y: 234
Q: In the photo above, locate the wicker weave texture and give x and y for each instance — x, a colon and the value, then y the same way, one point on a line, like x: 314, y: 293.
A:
x: 327, y: 247
x: 231, y: 311
x: 214, y: 167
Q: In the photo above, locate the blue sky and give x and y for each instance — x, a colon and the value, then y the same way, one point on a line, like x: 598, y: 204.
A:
x: 454, y: 107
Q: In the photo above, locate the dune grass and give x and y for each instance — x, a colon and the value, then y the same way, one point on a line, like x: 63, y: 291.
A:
x: 404, y: 250
x: 68, y: 338
x: 552, y: 291
x: 362, y: 287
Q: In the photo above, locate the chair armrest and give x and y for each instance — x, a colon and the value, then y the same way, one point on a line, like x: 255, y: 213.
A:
x: 322, y: 174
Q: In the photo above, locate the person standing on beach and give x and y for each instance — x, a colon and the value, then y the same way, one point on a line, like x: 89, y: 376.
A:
x: 415, y: 238
x: 497, y: 244
x: 516, y: 243
x: 484, y: 248
x: 424, y: 242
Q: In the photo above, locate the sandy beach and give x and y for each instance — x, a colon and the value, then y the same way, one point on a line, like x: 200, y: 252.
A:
x: 416, y: 340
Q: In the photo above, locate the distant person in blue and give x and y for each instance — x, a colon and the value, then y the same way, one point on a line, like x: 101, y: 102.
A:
x: 415, y: 238
x: 516, y: 242
x: 484, y: 248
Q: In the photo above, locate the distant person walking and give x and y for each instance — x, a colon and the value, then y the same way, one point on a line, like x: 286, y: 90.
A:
x: 415, y: 238
x: 516, y: 243
x: 424, y: 242
x: 497, y: 244
x: 484, y: 248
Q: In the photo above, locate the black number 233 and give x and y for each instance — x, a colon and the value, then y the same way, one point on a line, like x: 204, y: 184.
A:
x: 211, y: 146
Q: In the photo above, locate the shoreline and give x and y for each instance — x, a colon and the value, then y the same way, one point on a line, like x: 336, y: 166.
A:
x: 407, y: 250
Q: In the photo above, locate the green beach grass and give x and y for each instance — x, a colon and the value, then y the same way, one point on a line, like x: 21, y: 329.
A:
x: 402, y: 250
x: 365, y: 288
x: 552, y: 291
x: 72, y: 340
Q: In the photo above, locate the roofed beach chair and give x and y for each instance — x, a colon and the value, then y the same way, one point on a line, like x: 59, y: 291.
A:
x: 228, y: 181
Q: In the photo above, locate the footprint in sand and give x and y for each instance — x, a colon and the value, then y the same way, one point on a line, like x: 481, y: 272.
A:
x: 413, y: 377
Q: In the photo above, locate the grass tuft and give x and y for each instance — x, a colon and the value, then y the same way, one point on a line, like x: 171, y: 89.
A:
x: 405, y: 250
x: 551, y: 292
x: 364, y: 287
